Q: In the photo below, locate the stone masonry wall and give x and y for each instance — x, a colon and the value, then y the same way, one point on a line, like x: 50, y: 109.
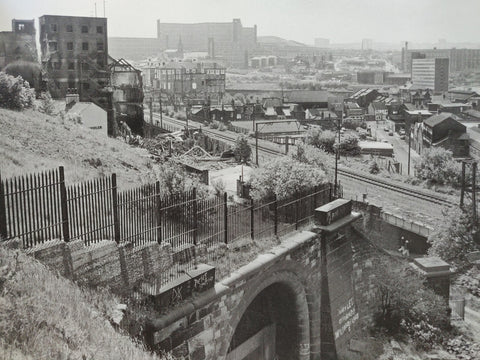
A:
x: 121, y: 267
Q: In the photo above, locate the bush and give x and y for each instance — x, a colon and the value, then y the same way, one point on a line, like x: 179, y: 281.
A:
x: 438, y: 167
x: 284, y: 177
x: 29, y: 71
x: 242, y: 150
x: 324, y: 140
x: 454, y: 237
x: 349, y: 146
x: 310, y: 155
x: 373, y: 167
x: 402, y: 304
x: 15, y: 93
x: 47, y: 105
x: 353, y: 124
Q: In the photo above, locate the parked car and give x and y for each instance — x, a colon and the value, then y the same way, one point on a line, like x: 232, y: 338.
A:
x: 402, y: 137
x: 402, y: 132
x: 386, y: 129
x: 390, y: 133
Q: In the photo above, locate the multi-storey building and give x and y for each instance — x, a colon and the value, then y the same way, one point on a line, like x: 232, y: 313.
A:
x: 74, y: 54
x: 460, y: 59
x: 230, y: 42
x: 188, y: 81
x: 430, y: 74
x: 18, y: 44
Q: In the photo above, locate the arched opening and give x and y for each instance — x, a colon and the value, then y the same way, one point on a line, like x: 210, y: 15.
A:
x: 270, y: 327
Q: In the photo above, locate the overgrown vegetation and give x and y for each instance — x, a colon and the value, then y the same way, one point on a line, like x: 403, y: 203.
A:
x: 455, y: 237
x: 45, y: 316
x: 29, y: 71
x: 311, y: 155
x: 284, y: 177
x: 15, y: 93
x: 403, y: 305
x: 242, y: 150
x: 438, y: 167
x: 47, y: 105
x: 324, y: 140
x: 349, y: 146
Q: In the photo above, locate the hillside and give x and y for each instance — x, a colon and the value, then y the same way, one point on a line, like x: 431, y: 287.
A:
x: 45, y: 316
x: 31, y: 141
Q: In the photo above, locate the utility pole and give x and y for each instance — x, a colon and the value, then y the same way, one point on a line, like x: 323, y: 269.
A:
x: 409, y: 147
x: 151, y: 116
x: 256, y: 143
x: 337, y: 154
x: 161, y: 110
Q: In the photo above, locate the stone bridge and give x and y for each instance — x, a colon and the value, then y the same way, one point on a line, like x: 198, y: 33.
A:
x: 304, y: 299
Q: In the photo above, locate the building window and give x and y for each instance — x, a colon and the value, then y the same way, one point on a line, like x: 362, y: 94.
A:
x: 99, y: 46
x: 100, y: 62
x: 20, y: 27
x: 84, y: 29
x: 71, y: 65
x: 57, y: 65
x: 53, y: 27
x: 70, y: 46
x: 52, y: 46
x: 99, y: 29
x: 85, y: 46
x: 71, y: 84
x: 85, y: 66
x: 69, y: 28
x: 86, y: 86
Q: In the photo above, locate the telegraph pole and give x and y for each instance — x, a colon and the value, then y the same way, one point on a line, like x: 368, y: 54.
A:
x: 409, y: 147
x: 256, y: 143
x: 337, y: 153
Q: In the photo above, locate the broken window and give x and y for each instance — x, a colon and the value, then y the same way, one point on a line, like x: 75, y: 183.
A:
x: 84, y: 29
x: 52, y: 46
x: 69, y: 28
x: 85, y: 46
x: 20, y: 27
x: 99, y: 29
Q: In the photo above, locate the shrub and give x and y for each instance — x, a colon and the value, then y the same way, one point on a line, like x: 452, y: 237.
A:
x: 29, y: 71
x: 47, y: 105
x: 454, y: 237
x: 284, y: 177
x: 15, y: 93
x: 438, y: 167
x: 242, y: 150
x: 349, y: 146
x: 310, y: 155
x: 373, y: 167
x: 402, y: 304
x: 353, y: 124
x: 324, y: 140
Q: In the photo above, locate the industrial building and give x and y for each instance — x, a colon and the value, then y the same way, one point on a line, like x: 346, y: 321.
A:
x: 430, y: 74
x: 18, y: 44
x: 459, y: 59
x: 74, y: 54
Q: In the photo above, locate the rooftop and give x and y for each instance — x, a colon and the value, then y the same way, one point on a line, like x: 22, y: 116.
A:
x: 439, y: 118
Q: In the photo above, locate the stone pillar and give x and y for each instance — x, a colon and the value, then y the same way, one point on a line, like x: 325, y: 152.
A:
x: 437, y: 274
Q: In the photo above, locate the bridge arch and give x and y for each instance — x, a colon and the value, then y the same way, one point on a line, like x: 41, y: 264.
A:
x: 284, y: 292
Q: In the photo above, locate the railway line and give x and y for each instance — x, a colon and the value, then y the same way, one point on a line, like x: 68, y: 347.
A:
x: 346, y: 174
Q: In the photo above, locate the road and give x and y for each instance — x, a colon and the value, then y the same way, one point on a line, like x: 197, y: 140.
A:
x: 400, y: 147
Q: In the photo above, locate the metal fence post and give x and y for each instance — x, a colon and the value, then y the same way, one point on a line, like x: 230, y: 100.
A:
x: 63, y: 204
x: 225, y: 218
x: 252, y: 219
x: 296, y: 211
x: 195, y: 218
x: 158, y: 206
x: 116, y: 223
x: 3, y: 212
x: 275, y: 216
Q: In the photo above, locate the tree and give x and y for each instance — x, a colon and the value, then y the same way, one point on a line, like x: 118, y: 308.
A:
x: 311, y: 155
x: 29, y: 71
x: 438, y: 167
x: 324, y: 140
x: 349, y: 146
x: 242, y: 150
x: 15, y: 93
x: 284, y: 177
x: 454, y: 237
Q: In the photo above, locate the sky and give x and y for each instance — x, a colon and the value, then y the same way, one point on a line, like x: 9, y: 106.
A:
x: 341, y: 21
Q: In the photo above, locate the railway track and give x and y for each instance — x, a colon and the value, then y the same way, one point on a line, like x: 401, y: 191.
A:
x: 398, y: 188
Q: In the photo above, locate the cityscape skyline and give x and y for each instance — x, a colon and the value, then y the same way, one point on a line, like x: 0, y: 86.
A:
x: 426, y: 23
